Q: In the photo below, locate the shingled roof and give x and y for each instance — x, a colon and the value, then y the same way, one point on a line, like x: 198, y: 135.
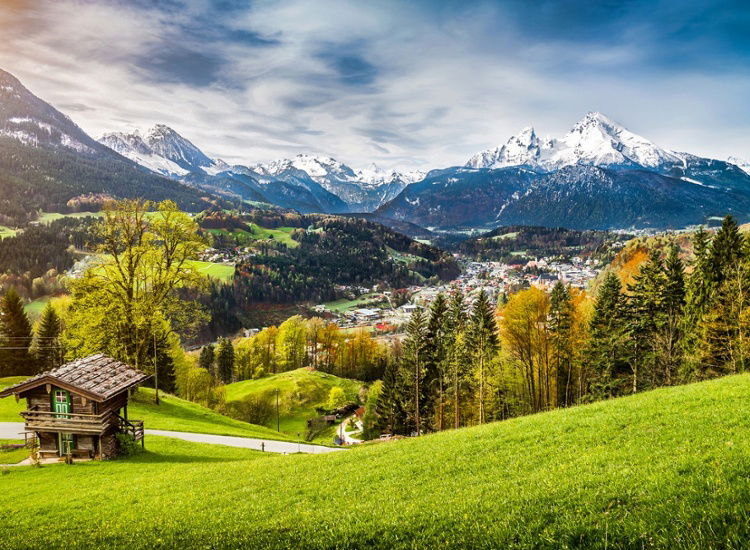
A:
x: 97, y: 377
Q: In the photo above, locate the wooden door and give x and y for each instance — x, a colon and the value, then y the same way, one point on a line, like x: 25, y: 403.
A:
x: 62, y: 407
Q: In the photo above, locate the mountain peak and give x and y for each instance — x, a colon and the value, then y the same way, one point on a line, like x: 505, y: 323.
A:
x: 595, y: 140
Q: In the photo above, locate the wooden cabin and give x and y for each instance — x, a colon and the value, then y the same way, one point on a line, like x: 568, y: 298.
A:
x: 80, y: 407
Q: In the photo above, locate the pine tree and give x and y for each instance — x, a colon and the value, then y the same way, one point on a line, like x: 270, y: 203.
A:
x: 387, y: 408
x: 435, y: 364
x: 560, y: 327
x: 605, y: 357
x: 455, y: 329
x: 48, y: 349
x: 670, y: 334
x: 225, y: 360
x: 483, y: 343
x: 644, y: 317
x: 725, y: 251
x: 415, y: 350
x: 206, y: 358
x: 722, y: 328
x: 15, y: 336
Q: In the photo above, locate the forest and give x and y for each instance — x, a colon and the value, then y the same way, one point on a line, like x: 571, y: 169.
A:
x: 672, y: 324
x: 520, y: 243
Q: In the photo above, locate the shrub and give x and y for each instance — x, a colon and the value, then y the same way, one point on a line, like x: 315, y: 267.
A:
x: 257, y: 408
x: 127, y: 445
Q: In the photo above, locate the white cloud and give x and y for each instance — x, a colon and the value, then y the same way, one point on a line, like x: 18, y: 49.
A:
x: 437, y: 84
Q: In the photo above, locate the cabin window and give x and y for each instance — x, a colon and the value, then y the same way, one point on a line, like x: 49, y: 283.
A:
x: 61, y: 396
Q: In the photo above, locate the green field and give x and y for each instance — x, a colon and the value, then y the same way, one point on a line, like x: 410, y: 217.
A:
x: 35, y: 307
x: 280, y: 234
x: 9, y: 409
x: 12, y: 456
x: 343, y: 304
x: 664, y: 469
x: 223, y: 272
x: 7, y: 232
x: 49, y: 217
x: 300, y: 392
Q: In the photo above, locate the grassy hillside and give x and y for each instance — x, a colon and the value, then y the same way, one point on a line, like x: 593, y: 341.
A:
x: 300, y: 391
x: 179, y: 415
x: 9, y: 409
x: 172, y: 414
x: 665, y: 469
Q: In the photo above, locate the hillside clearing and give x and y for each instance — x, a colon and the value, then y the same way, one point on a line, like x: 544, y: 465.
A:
x: 664, y: 469
x: 300, y: 392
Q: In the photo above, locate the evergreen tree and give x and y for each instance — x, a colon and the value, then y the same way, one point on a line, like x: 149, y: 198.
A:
x: 415, y: 352
x: 670, y: 334
x: 560, y: 327
x: 456, y: 351
x: 605, y: 357
x: 387, y: 408
x: 206, y: 358
x: 15, y: 336
x: 48, y: 349
x: 435, y: 364
x: 644, y: 317
x: 725, y: 251
x: 483, y: 343
x: 722, y: 330
x: 225, y: 360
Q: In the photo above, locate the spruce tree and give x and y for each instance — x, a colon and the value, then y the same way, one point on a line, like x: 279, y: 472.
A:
x: 435, y: 364
x: 387, y: 408
x: 483, y: 343
x: 15, y: 336
x: 605, y: 357
x: 412, y: 372
x: 560, y: 327
x: 725, y: 251
x: 225, y: 360
x: 644, y: 317
x: 206, y: 358
x: 456, y: 351
x: 48, y: 349
x: 673, y: 303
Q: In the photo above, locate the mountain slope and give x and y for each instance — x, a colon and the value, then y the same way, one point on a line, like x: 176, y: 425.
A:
x: 46, y: 160
x: 662, y: 469
x: 598, y: 176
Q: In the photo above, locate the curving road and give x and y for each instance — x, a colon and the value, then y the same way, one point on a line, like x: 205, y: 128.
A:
x: 14, y: 430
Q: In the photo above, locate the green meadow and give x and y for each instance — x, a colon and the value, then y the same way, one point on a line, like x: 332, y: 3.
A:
x: 665, y: 469
x: 300, y: 392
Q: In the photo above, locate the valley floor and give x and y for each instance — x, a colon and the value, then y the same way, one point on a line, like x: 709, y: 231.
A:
x: 664, y: 469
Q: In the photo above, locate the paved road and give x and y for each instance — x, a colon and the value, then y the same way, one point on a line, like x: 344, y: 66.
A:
x: 12, y: 430
x: 271, y: 446
x: 345, y: 436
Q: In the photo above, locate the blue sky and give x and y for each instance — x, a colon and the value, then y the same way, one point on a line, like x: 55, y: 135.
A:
x: 404, y: 84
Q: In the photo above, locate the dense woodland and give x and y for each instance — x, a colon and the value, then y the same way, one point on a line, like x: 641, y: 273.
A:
x: 518, y: 243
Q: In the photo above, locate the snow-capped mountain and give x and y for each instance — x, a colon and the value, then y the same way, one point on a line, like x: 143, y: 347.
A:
x: 164, y: 151
x: 741, y: 163
x: 594, y: 141
x: 363, y: 190
x: 46, y: 161
x: 598, y: 176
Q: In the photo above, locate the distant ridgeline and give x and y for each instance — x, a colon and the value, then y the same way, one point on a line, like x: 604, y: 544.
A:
x: 518, y: 243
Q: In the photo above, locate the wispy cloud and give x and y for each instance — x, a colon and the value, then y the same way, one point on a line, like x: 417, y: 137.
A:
x: 421, y: 83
